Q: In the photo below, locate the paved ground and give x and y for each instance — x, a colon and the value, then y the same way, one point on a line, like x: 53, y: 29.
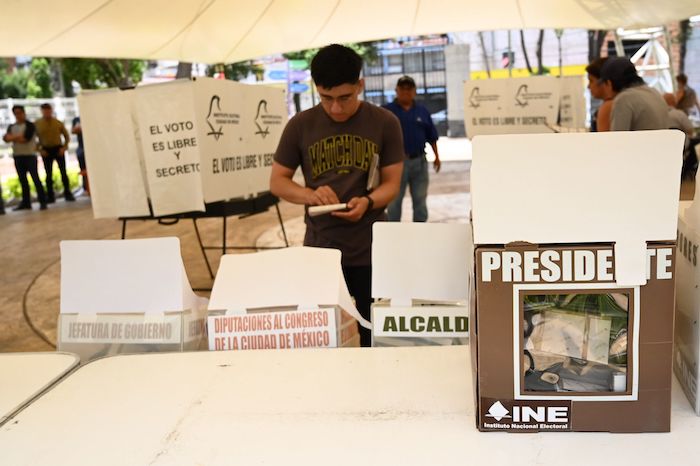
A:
x: 29, y: 250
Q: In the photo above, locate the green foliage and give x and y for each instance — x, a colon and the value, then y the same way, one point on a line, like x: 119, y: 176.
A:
x: 367, y: 50
x: 32, y: 82
x: 96, y: 73
x: 235, y: 71
x: 13, y: 85
x: 39, y: 82
x: 11, y: 188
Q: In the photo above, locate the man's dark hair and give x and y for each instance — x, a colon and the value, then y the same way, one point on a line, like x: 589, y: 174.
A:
x: 621, y: 73
x: 46, y: 106
x: 335, y: 65
x: 682, y: 79
x: 18, y: 107
x: 406, y: 81
x: 594, y: 67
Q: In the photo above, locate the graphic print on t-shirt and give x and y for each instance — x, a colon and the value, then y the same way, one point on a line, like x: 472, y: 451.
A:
x: 341, y: 152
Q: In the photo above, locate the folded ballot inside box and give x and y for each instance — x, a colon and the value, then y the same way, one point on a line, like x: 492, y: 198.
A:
x: 574, y: 280
x: 687, y: 333
x: 127, y: 296
x: 420, y: 278
x: 282, y: 299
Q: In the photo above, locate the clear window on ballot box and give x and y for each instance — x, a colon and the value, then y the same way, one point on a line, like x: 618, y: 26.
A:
x: 576, y: 343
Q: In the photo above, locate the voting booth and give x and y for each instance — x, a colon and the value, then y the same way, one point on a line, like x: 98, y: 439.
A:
x: 169, y: 148
x: 283, y: 299
x: 574, y: 263
x: 536, y: 104
x: 129, y: 296
x: 421, y: 283
x: 687, y: 334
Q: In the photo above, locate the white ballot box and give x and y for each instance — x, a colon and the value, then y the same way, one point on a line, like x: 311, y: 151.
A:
x: 687, y: 335
x: 421, y: 276
x: 169, y: 148
x: 127, y: 296
x: 574, y: 250
x: 282, y: 299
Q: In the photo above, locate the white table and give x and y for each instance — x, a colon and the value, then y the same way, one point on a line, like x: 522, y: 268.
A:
x: 344, y: 406
x: 24, y: 376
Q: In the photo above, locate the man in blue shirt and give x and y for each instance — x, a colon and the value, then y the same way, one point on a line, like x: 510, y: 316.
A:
x: 418, y: 128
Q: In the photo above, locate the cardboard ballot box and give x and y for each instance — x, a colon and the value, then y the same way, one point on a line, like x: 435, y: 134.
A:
x: 169, y: 148
x: 420, y: 277
x: 127, y: 296
x: 687, y: 335
x: 282, y: 299
x: 574, y: 234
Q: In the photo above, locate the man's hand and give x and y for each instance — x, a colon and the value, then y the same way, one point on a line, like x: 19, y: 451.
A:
x: 323, y: 195
x: 9, y: 137
x: 61, y: 151
x: 357, y: 207
x: 44, y: 153
x: 437, y: 164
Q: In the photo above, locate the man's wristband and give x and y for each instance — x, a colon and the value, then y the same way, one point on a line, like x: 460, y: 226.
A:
x: 370, y: 202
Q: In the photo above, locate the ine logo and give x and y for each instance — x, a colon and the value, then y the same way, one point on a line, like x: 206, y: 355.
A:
x: 525, y: 415
x: 260, y: 119
x: 520, y: 98
x: 498, y: 411
x: 215, y: 100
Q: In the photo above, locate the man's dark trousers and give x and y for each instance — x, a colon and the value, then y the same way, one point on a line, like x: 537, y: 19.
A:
x: 54, y: 155
x: 28, y: 164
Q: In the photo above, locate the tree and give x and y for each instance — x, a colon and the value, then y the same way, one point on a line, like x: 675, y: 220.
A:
x: 595, y: 43
x: 233, y: 71
x: 184, y: 70
x: 527, y: 58
x: 95, y: 73
x: 367, y: 50
x: 13, y: 85
x: 39, y: 82
x: 538, y: 53
x: 684, y: 34
x: 484, y: 55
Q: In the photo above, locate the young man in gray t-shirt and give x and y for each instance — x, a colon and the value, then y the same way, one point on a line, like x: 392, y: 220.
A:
x: 335, y: 143
x: 22, y: 136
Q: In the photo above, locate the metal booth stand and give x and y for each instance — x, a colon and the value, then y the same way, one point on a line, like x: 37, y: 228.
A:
x: 241, y: 208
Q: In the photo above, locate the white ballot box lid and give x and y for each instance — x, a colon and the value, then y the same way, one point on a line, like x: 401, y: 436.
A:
x: 616, y: 187
x: 428, y: 261
x: 299, y: 276
x: 124, y: 276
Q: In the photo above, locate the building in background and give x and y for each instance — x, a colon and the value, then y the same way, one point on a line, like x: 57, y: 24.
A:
x: 421, y: 58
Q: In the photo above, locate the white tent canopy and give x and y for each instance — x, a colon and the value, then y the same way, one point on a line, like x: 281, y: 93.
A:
x: 224, y: 31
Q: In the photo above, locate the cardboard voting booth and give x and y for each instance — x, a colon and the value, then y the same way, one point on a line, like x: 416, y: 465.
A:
x: 687, y: 334
x: 169, y: 148
x: 574, y: 276
x: 283, y: 299
x: 524, y: 105
x: 420, y: 279
x: 127, y: 296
